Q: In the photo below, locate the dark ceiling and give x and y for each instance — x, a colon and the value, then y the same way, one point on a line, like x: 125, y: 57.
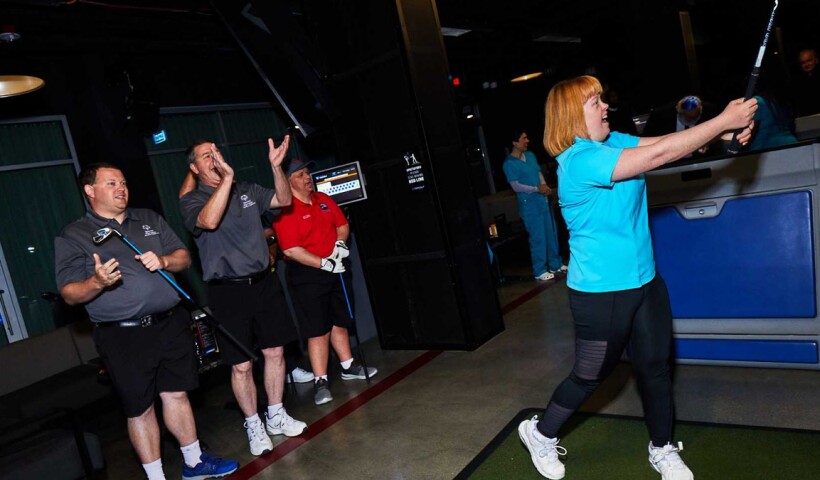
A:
x: 636, y: 44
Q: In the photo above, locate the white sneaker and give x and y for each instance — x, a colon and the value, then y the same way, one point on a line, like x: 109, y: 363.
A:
x: 259, y: 441
x: 300, y: 375
x: 668, y: 463
x: 544, y: 451
x: 563, y: 269
x: 282, y: 423
x: 545, y: 276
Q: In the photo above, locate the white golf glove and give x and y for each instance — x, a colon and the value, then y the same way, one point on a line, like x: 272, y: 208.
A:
x: 332, y: 266
x: 340, y: 251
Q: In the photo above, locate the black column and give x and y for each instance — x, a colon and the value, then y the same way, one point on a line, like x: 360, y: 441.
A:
x: 423, y: 250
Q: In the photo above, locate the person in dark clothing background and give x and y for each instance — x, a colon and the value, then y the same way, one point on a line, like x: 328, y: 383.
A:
x: 687, y: 112
x: 806, y: 84
x: 619, y: 113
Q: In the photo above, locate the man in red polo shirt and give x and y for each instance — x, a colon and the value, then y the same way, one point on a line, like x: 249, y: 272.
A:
x: 312, y: 232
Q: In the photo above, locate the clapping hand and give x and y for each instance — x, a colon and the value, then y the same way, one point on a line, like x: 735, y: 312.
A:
x: 106, y: 273
x: 276, y: 155
x: 220, y: 165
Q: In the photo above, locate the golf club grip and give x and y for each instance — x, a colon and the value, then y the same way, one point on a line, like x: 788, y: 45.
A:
x: 228, y: 334
x: 734, y: 146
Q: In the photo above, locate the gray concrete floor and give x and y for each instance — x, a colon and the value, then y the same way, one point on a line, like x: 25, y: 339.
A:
x: 432, y: 423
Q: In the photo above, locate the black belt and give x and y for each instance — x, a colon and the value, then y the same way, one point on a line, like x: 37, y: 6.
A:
x: 145, y: 321
x: 249, y: 280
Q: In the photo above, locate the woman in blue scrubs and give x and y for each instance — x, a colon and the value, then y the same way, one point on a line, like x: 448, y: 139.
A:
x: 525, y: 178
x: 615, y: 296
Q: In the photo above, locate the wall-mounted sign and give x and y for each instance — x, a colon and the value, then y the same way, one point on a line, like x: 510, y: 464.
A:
x: 415, y: 172
x: 159, y: 137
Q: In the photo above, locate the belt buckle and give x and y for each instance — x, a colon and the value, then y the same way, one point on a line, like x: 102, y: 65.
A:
x: 146, y: 321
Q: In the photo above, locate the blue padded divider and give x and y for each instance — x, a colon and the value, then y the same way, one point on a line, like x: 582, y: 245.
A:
x: 747, y: 350
x: 754, y: 260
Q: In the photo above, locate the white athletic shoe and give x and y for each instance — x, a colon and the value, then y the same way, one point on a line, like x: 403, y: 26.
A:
x: 544, y: 277
x: 562, y: 269
x: 257, y: 438
x: 282, y: 423
x: 300, y: 375
x: 668, y: 463
x: 544, y: 451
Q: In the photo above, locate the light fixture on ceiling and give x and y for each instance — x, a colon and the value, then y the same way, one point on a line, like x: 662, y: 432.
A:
x: 8, y: 34
x: 529, y: 76
x: 556, y: 39
x: 13, y: 85
x: 454, y: 32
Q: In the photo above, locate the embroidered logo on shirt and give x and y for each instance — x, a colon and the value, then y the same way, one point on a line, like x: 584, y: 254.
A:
x: 306, y: 216
x: 246, y: 202
x: 149, y: 231
x: 323, y: 206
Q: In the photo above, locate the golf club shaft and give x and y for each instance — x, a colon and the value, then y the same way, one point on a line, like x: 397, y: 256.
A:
x: 159, y: 270
x: 187, y: 297
x: 734, y: 147
x: 226, y: 332
x: 355, y: 330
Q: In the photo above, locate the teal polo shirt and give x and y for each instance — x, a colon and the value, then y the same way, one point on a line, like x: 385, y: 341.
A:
x: 609, y: 242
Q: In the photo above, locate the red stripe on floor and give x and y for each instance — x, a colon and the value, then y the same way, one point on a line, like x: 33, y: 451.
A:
x: 529, y: 295
x: 319, y: 426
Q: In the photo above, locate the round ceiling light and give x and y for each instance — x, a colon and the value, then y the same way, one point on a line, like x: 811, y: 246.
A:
x: 12, y: 85
x: 529, y: 76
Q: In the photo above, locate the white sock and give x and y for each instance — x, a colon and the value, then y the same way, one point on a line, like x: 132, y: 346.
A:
x: 252, y: 419
x: 191, y: 454
x: 154, y: 470
x: 321, y: 377
x: 272, y: 409
x: 347, y: 363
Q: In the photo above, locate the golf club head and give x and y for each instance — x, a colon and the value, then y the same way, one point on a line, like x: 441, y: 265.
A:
x: 103, y: 234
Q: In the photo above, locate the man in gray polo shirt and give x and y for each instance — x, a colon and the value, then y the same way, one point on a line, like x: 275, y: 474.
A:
x: 223, y: 216
x: 141, y: 334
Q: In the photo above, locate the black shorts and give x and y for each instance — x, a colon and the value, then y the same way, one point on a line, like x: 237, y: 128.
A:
x: 143, y: 361
x: 319, y: 298
x: 256, y: 315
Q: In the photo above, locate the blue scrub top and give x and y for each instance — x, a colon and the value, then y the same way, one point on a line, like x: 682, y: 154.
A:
x: 770, y: 131
x: 525, y: 172
x: 610, y: 246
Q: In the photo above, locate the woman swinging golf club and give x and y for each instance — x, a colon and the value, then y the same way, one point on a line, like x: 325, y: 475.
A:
x: 615, y: 295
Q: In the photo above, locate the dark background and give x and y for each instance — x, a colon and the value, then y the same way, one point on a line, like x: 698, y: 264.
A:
x: 370, y: 76
x: 179, y: 53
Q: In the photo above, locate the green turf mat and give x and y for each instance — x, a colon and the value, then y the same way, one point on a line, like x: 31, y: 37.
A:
x: 614, y: 448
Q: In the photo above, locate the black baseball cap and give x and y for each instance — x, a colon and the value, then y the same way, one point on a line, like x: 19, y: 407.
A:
x: 296, y: 164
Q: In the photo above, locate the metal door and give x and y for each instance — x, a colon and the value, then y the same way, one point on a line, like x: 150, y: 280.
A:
x: 13, y: 327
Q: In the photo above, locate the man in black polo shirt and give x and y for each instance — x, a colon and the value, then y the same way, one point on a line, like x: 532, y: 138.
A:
x: 141, y: 334
x: 223, y: 216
